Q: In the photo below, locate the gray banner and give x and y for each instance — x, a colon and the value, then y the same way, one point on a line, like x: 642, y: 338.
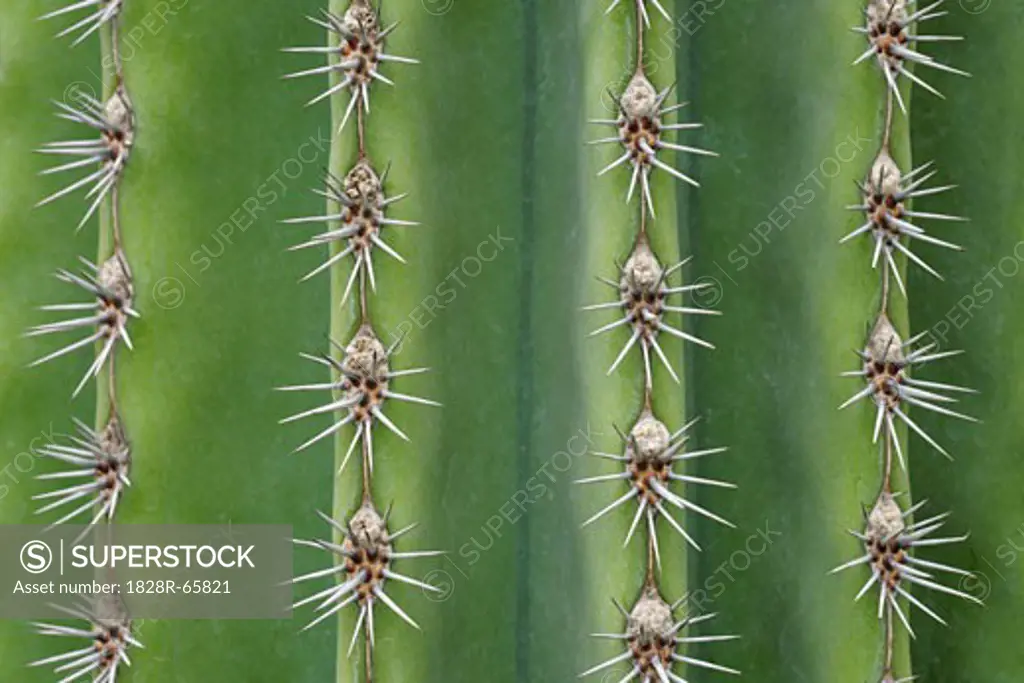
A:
x: 157, y: 571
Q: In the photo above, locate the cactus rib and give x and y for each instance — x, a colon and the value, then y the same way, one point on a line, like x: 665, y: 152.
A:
x: 651, y: 449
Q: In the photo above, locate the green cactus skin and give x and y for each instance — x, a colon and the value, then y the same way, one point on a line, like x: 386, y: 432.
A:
x: 488, y: 132
x: 968, y: 138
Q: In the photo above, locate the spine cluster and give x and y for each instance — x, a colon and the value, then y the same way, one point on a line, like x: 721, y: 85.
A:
x: 101, y: 456
x: 653, y: 456
x: 362, y: 380
x: 890, y: 363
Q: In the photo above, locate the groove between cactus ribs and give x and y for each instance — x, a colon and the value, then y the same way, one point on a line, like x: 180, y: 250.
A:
x: 526, y: 389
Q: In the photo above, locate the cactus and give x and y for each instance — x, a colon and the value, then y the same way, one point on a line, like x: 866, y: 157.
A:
x: 657, y: 635
x: 102, y: 454
x: 893, y: 536
x: 363, y: 548
x: 487, y: 136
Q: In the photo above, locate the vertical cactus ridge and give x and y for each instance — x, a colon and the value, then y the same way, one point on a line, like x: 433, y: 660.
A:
x: 656, y: 634
x: 609, y: 61
x: 892, y: 535
x: 362, y: 375
x: 103, y: 455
